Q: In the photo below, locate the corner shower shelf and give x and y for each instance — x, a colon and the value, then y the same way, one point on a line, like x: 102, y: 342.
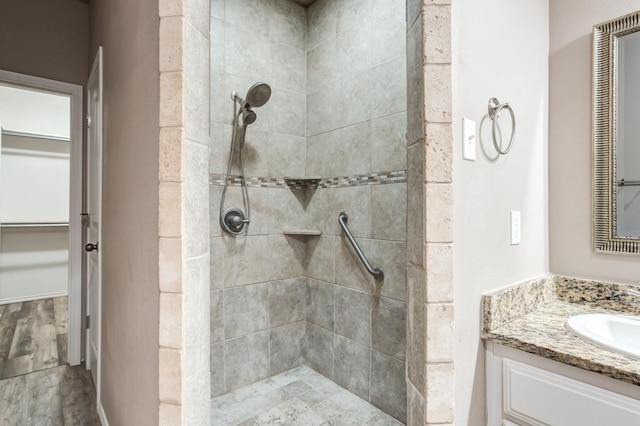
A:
x: 302, y: 232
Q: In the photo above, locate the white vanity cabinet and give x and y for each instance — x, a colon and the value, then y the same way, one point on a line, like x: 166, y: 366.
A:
x: 528, y: 390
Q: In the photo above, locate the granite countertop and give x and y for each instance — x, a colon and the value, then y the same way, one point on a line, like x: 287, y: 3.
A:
x: 531, y: 317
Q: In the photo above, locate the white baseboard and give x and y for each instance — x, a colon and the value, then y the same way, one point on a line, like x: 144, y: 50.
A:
x: 101, y: 415
x: 31, y: 298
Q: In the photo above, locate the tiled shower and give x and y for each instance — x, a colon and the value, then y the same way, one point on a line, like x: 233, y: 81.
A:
x: 337, y: 70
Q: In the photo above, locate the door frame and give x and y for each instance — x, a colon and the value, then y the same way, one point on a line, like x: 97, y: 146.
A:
x: 75, y: 92
x: 95, y: 118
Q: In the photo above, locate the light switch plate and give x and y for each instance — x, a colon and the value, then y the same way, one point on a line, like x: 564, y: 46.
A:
x: 468, y: 139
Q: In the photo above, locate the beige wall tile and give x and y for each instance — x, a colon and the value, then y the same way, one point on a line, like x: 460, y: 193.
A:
x: 288, y: 23
x: 319, y: 259
x: 437, y: 29
x: 170, y: 376
x: 216, y: 45
x: 356, y: 202
x: 197, y: 402
x: 195, y: 360
x: 353, y: 47
x: 388, y: 211
x: 350, y: 271
x: 170, y: 169
x: 439, y: 153
x: 286, y: 155
x: 322, y: 19
x: 196, y: 84
x: 170, y: 265
x: 415, y: 204
x: 171, y: 42
x: 439, y: 199
x: 440, y: 398
x: 389, y: 143
x: 389, y: 34
x: 415, y: 85
x: 439, y: 272
x: 415, y: 406
x: 321, y: 68
x: 437, y: 84
x: 170, y: 415
x: 243, y: 260
x: 196, y: 303
x: 288, y: 67
x: 250, y: 14
x: 196, y: 199
x: 171, y: 99
x: 286, y: 209
x: 416, y: 351
x: 387, y: 87
x: 440, y: 332
x: 414, y: 10
x: 197, y: 13
x: 171, y: 320
x: 170, y: 210
x: 170, y: 7
x: 285, y: 257
x: 391, y: 257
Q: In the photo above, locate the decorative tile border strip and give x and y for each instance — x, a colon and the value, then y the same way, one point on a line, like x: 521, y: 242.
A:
x: 375, y: 178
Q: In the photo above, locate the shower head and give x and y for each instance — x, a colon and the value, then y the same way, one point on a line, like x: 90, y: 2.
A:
x: 258, y: 95
x: 248, y: 116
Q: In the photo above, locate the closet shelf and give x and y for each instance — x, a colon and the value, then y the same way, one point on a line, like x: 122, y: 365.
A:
x: 303, y: 232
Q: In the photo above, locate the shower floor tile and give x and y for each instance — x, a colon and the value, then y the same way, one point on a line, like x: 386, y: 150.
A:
x: 296, y: 397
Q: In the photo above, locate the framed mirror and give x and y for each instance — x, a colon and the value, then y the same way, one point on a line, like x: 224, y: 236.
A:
x: 616, y: 135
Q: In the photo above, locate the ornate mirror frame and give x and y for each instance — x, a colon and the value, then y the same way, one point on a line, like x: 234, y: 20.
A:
x: 605, y: 86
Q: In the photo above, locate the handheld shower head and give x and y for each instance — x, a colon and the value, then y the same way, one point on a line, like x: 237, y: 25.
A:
x: 248, y: 116
x: 258, y: 95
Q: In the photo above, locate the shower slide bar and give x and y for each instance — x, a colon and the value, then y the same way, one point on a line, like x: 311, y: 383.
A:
x: 377, y: 273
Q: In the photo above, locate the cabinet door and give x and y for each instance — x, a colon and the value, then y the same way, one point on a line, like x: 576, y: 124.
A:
x: 539, y: 397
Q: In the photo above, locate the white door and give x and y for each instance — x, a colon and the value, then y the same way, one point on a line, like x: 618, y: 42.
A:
x: 94, y: 206
x: 1, y: 265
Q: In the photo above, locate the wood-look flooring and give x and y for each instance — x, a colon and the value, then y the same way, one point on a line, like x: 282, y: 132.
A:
x: 33, y: 336
x: 59, y: 396
x: 37, y: 387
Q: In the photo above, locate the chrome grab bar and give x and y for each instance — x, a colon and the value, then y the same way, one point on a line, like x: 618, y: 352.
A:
x: 377, y: 272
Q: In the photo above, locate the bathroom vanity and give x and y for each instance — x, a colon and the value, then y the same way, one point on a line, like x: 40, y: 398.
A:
x: 539, y: 373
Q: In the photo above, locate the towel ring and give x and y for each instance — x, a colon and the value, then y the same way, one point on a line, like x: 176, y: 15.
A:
x: 495, y: 107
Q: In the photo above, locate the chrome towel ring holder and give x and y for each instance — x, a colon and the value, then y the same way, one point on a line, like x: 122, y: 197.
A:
x: 495, y: 107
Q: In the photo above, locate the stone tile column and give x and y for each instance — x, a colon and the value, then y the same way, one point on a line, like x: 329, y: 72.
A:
x: 184, y: 213
x: 430, y: 315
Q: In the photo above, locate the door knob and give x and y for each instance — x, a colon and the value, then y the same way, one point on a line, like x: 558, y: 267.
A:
x: 91, y: 247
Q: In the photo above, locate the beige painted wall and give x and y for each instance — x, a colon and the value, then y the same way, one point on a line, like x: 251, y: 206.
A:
x: 128, y: 31
x: 45, y: 38
x: 570, y: 144
x: 500, y: 50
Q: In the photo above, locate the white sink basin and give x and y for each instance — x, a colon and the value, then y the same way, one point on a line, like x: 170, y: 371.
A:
x: 615, y: 332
